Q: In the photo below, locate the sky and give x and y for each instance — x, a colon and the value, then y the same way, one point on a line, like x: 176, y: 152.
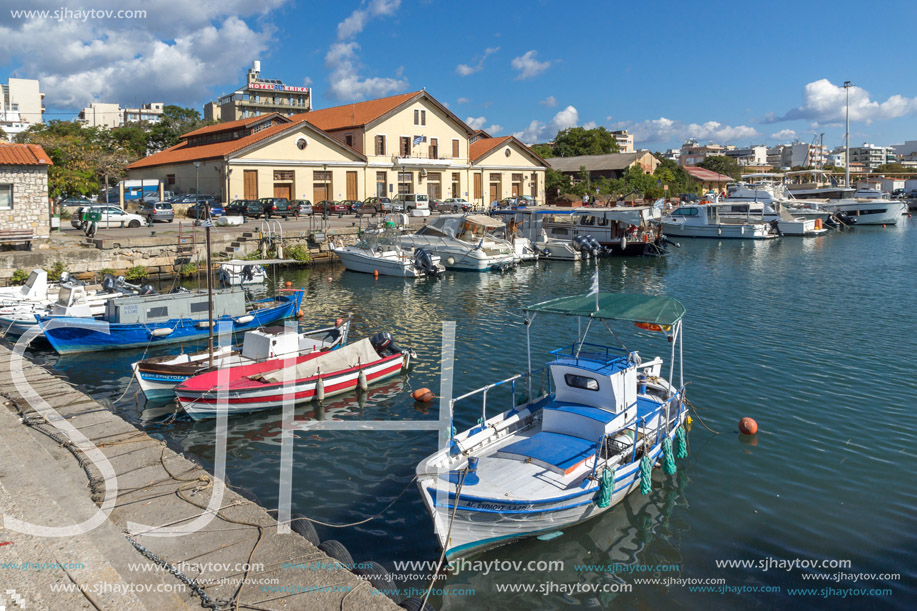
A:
x: 727, y: 72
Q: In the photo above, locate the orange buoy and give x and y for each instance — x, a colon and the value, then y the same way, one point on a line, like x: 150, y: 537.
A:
x: 424, y: 395
x: 338, y: 322
x: 376, y: 273
x: 883, y: 225
x: 288, y: 284
x: 299, y: 314
x: 747, y: 426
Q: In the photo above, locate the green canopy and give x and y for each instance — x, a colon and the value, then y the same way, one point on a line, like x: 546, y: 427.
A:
x: 614, y: 306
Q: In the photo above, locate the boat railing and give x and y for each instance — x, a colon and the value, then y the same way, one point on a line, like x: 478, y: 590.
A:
x: 523, y: 377
x: 593, y: 353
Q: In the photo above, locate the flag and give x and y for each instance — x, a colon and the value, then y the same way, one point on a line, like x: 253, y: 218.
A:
x: 595, y: 282
x: 418, y: 140
x: 659, y: 203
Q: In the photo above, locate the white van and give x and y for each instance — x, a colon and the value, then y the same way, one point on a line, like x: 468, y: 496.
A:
x: 415, y: 204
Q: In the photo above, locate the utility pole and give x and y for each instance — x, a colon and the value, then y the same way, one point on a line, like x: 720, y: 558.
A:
x: 847, y: 138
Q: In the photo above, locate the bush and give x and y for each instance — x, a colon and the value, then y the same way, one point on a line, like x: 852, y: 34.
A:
x: 107, y: 270
x: 56, y: 270
x: 18, y: 278
x: 136, y: 274
x: 188, y: 270
x: 65, y: 214
x: 299, y: 253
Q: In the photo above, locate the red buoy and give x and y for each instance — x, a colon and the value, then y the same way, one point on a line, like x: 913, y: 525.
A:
x: 299, y: 314
x: 747, y: 426
x: 338, y: 322
x: 424, y: 395
x: 376, y: 273
x: 288, y: 284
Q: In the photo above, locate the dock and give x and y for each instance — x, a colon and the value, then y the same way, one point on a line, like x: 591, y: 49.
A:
x: 48, y: 478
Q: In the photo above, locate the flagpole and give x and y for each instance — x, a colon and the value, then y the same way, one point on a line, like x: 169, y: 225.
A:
x: 596, y: 284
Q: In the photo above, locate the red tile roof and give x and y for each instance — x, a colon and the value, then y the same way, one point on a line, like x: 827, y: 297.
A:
x: 354, y: 115
x: 23, y: 154
x: 183, y: 153
x: 705, y: 175
x: 229, y: 125
x: 483, y: 146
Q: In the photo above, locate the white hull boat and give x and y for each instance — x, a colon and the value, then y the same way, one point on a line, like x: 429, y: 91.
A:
x: 871, y: 211
x: 565, y: 456
x: 158, y: 376
x: 239, y: 273
x: 380, y: 253
x: 711, y: 221
x: 464, y: 242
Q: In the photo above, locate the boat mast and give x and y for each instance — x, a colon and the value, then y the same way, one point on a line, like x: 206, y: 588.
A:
x: 847, y: 138
x: 207, y: 225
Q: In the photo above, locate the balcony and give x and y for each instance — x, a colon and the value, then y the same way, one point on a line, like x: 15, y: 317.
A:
x: 417, y: 161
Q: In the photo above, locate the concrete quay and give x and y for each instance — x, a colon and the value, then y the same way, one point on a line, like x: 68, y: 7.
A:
x: 238, y: 560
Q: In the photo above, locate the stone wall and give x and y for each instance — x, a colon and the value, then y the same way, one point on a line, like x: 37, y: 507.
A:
x: 30, y: 199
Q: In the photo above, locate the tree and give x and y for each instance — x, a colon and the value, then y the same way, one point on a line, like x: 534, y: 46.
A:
x: 892, y: 168
x: 3, y: 135
x: 577, y: 141
x: 722, y: 165
x: 556, y: 183
x: 174, y: 122
x: 542, y: 150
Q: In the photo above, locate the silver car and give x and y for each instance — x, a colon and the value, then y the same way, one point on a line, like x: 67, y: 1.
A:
x: 157, y: 211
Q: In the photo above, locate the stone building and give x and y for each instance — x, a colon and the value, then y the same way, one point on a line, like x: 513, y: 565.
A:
x: 24, y: 188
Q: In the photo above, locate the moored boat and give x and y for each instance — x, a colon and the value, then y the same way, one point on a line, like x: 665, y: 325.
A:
x: 559, y: 458
x: 716, y: 220
x: 464, y: 242
x: 379, y: 252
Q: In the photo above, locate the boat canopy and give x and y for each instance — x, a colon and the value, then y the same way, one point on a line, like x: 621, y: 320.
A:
x: 615, y: 306
x: 483, y: 221
x: 637, y: 215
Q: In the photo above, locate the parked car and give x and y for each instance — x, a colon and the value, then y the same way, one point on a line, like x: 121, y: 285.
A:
x: 249, y: 208
x: 373, y: 205
x: 199, y: 210
x: 276, y: 206
x: 453, y: 204
x: 75, y: 200
x: 191, y: 198
x: 912, y: 194
x: 157, y: 211
x: 110, y: 216
x: 417, y: 204
x: 301, y: 207
x: 329, y: 207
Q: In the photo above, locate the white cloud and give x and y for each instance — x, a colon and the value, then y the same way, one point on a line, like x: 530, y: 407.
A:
x: 494, y: 129
x: 476, y: 122
x: 342, y: 60
x: 590, y: 125
x: 463, y: 101
x: 664, y: 130
x: 533, y: 133
x: 549, y: 101
x: 784, y: 134
x: 825, y: 102
x: 477, y: 64
x: 566, y: 118
x: 528, y: 66
x: 175, y: 54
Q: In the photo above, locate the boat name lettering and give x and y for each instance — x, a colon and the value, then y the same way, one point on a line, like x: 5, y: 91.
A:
x: 497, y: 506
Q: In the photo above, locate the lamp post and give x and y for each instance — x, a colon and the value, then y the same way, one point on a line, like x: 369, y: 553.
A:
x: 847, y: 137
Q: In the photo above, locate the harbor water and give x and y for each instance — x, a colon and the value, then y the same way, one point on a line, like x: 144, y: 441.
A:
x: 813, y: 338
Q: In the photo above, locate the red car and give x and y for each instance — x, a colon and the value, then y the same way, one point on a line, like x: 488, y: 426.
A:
x: 330, y: 207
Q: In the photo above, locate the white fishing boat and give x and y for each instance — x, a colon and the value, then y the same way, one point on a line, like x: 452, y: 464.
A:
x: 34, y: 289
x: 239, y: 273
x: 716, y: 220
x: 464, y: 242
x: 380, y: 252
x: 565, y: 455
x: 766, y: 200
x: 158, y: 376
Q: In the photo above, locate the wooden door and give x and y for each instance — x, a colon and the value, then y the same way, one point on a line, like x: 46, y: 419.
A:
x: 494, y: 192
x: 351, y: 185
x: 517, y: 188
x: 535, y: 186
x: 250, y: 184
x: 477, y: 186
x: 283, y: 189
x: 319, y: 192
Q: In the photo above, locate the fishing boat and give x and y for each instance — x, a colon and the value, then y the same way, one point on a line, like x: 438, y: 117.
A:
x: 568, y: 451
x: 380, y: 252
x: 145, y: 320
x: 315, y: 376
x: 239, y: 273
x: 158, y: 376
x: 716, y: 220
x: 34, y: 289
x: 464, y: 242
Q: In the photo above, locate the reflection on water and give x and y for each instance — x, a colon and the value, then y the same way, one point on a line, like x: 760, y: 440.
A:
x: 811, y: 337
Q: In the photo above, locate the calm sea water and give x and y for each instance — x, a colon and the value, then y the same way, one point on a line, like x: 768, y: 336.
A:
x: 814, y: 338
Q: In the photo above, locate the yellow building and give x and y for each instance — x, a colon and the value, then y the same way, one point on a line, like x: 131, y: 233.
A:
x: 408, y: 143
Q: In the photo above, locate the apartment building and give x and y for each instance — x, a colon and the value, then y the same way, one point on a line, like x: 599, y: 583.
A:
x: 871, y: 156
x: 625, y: 141
x: 110, y: 116
x: 21, y: 105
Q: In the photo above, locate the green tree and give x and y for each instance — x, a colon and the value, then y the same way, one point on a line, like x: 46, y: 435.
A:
x: 556, y: 183
x: 542, y: 150
x: 577, y: 141
x: 892, y: 168
x: 175, y: 121
x: 722, y: 165
x: 3, y: 135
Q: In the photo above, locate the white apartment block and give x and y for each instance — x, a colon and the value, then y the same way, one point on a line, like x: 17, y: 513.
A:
x: 871, y: 156
x: 101, y: 114
x: 625, y: 141
x: 21, y: 105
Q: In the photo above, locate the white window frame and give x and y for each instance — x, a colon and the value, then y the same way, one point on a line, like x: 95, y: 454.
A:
x: 9, y: 199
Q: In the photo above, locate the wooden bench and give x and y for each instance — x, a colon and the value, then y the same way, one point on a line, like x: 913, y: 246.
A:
x: 11, y: 236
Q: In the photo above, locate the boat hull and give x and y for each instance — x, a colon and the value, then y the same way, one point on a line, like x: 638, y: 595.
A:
x: 872, y: 212
x: 719, y: 232
x: 69, y: 335
x: 356, y: 262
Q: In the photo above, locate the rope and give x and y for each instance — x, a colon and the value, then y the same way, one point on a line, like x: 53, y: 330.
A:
x: 699, y: 419
x: 668, y: 457
x: 458, y: 493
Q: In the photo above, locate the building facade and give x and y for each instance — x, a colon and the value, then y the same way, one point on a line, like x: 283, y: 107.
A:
x: 110, y: 116
x: 613, y: 165
x: 749, y: 156
x: 409, y: 143
x: 625, y: 141
x: 24, y: 188
x: 21, y: 105
x: 259, y: 97
x: 693, y: 154
x: 871, y: 156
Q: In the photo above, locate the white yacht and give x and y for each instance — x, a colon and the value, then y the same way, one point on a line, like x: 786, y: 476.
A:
x: 464, y: 242
x: 381, y: 252
x: 766, y: 199
x: 864, y: 206
x: 716, y: 220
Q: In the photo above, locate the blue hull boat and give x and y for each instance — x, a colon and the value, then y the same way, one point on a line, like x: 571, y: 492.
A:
x: 142, y: 321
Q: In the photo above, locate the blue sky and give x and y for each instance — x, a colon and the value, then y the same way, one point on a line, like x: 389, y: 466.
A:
x: 723, y: 71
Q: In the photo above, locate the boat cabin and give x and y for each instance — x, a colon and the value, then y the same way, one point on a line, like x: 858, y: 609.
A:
x: 141, y: 309
x: 276, y: 342
x: 71, y: 301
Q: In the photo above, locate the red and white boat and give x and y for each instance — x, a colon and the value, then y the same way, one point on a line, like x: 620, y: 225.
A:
x: 260, y: 386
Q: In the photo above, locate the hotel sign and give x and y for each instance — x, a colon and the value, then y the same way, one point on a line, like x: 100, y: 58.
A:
x: 274, y: 87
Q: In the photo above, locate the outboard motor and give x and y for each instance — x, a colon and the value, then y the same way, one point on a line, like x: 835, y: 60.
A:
x: 775, y: 225
x: 109, y: 284
x: 248, y: 273
x: 594, y: 247
x: 384, y: 344
x: 147, y: 289
x: 846, y: 218
x: 580, y: 244
x: 424, y: 261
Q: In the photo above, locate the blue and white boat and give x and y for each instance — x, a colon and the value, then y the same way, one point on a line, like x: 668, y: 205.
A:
x: 145, y: 320
x: 573, y: 450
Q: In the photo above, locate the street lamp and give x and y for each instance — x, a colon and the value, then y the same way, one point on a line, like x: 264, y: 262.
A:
x: 197, y: 179
x: 847, y: 137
